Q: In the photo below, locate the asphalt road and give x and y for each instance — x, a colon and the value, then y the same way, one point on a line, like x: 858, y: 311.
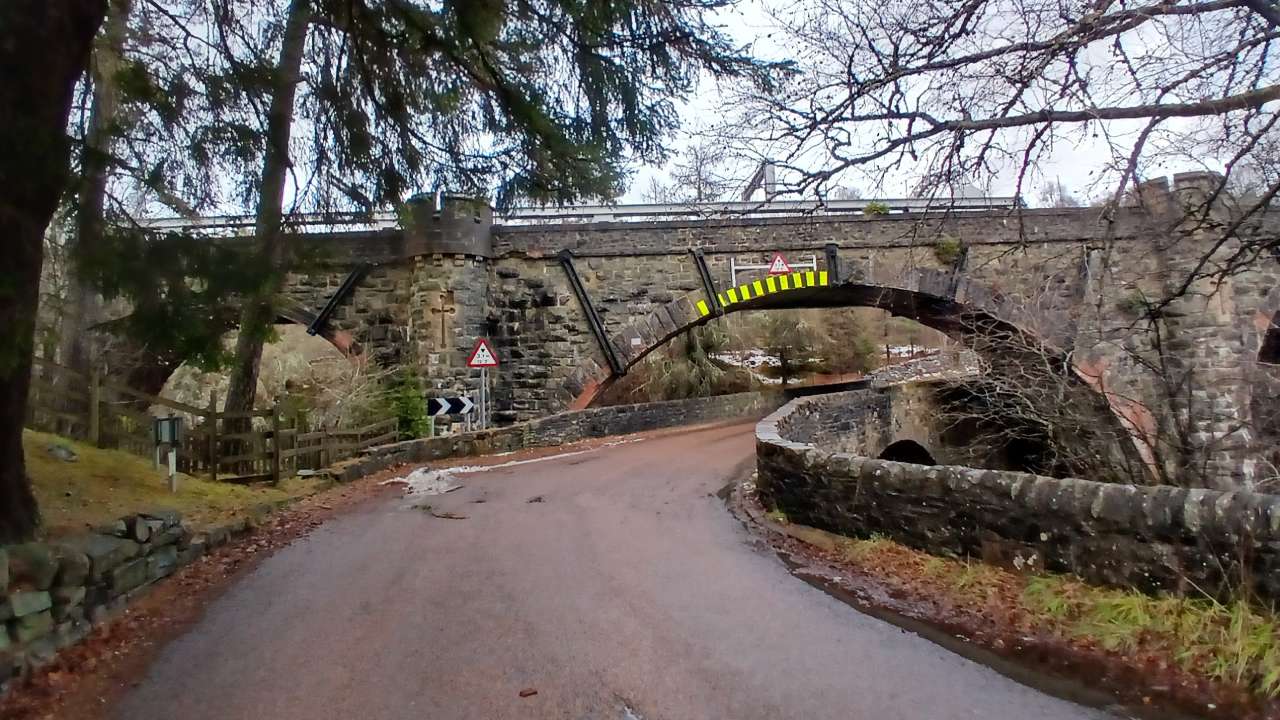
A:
x: 628, y: 592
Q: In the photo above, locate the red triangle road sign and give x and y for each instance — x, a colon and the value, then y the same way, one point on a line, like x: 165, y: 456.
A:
x: 482, y: 355
x: 779, y: 266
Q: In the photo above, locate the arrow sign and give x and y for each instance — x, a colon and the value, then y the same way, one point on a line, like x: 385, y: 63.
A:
x: 449, y: 406
x: 482, y: 355
x: 779, y: 266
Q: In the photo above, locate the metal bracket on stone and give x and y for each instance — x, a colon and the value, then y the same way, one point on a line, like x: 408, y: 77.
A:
x: 833, y: 262
x: 961, y: 263
x: 708, y: 284
x: 348, y: 284
x: 593, y: 317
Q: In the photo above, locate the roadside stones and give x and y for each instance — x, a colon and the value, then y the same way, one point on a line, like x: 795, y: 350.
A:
x: 73, y: 567
x: 1150, y: 538
x: 29, y: 627
x: 28, y: 602
x: 128, y: 576
x: 104, y: 552
x: 32, y: 564
x: 162, y: 562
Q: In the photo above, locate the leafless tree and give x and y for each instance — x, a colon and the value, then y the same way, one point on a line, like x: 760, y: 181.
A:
x: 1034, y: 408
x: 948, y: 93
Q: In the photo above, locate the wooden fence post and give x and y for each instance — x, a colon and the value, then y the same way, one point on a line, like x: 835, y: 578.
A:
x: 275, y: 443
x: 213, y: 435
x: 95, y: 403
x: 324, y: 446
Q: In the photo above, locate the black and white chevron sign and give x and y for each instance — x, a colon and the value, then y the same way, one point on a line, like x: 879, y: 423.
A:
x: 449, y: 406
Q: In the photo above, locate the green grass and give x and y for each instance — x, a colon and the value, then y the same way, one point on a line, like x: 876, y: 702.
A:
x: 103, y: 485
x: 1236, y: 642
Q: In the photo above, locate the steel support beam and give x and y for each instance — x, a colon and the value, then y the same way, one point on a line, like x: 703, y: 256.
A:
x: 589, y: 309
x: 708, y: 283
x: 348, y: 284
x: 833, y: 262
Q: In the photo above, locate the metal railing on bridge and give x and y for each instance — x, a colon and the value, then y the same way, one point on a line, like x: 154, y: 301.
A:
x: 354, y: 222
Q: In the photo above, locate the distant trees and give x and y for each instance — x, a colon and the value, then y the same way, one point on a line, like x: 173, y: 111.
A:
x: 702, y: 172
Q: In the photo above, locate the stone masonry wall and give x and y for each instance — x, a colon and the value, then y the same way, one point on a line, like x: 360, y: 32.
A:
x: 1151, y: 538
x: 1072, y: 279
x: 564, y: 428
x: 53, y: 592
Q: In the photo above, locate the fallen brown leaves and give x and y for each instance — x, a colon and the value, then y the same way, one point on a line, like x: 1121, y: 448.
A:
x: 81, y: 683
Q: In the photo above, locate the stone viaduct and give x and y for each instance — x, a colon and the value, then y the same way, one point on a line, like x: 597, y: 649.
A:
x: 571, y: 306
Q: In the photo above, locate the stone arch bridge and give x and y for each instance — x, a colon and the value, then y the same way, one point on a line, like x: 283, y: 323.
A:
x: 570, y: 306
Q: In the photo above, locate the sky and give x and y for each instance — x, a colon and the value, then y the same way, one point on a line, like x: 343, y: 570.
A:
x: 1073, y: 165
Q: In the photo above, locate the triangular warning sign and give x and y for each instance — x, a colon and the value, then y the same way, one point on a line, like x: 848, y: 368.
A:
x: 482, y: 356
x: 779, y: 266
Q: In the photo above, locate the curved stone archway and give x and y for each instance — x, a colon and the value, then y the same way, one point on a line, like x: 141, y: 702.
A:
x: 949, y: 302
x: 907, y: 451
x: 148, y: 372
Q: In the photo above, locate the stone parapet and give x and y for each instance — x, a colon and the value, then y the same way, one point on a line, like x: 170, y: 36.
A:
x: 52, y: 593
x: 1153, y: 538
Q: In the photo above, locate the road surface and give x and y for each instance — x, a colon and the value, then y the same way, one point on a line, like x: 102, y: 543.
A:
x: 628, y: 591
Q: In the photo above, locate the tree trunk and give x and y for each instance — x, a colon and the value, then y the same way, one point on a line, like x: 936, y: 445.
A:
x: 258, y: 311
x: 83, y: 304
x: 43, y: 53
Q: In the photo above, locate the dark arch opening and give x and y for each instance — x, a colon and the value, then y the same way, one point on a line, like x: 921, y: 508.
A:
x: 908, y: 451
x: 1270, y: 351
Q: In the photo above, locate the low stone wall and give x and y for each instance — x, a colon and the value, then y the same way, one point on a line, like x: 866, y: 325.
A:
x: 865, y: 422
x: 564, y: 428
x: 1151, y: 538
x: 53, y: 592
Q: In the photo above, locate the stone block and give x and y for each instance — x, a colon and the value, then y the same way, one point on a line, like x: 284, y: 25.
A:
x: 71, y: 632
x: 40, y: 651
x: 28, y: 628
x: 128, y: 576
x: 29, y: 602
x: 73, y: 567
x: 105, y: 552
x: 162, y: 562
x: 73, y: 595
x: 32, y: 565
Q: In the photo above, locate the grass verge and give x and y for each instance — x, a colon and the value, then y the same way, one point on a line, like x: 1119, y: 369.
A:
x: 102, y: 485
x: 1235, y: 643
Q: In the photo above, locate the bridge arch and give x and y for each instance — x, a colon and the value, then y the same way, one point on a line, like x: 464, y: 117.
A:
x: 907, y: 451
x: 946, y: 301
x: 148, y: 372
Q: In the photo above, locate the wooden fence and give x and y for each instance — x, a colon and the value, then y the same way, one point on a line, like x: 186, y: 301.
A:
x: 262, y: 445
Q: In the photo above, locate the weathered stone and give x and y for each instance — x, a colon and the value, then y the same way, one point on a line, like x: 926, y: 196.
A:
x: 167, y: 536
x: 4, y: 571
x: 169, y: 518
x: 40, y: 651
x: 33, y: 565
x: 71, y: 632
x: 28, y: 602
x: 104, y: 552
x: 129, y: 576
x: 116, y: 528
x: 73, y: 566
x: 68, y: 595
x: 28, y: 628
x: 162, y: 562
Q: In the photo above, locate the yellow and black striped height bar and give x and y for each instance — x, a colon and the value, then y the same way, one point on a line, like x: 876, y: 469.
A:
x: 768, y: 286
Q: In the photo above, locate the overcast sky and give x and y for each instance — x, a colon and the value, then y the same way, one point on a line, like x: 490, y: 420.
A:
x: 750, y: 22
